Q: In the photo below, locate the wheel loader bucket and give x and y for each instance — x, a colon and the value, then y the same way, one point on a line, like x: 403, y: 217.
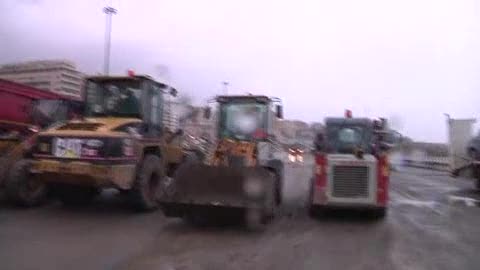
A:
x: 199, y: 184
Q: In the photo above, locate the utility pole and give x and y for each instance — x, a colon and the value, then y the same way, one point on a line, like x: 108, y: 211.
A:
x: 109, y: 11
x: 225, y: 88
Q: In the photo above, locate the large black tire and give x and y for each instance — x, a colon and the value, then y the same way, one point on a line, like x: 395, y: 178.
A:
x: 273, y: 199
x: 379, y: 213
x: 279, y: 187
x: 22, y: 189
x: 312, y: 209
x: 147, y: 187
x: 472, y: 153
x: 71, y: 195
x: 169, y: 190
x: 255, y: 219
x: 169, y: 187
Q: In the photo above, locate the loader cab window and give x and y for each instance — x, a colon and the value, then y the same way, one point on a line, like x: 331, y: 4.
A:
x: 243, y: 121
x: 116, y: 98
x: 345, y: 138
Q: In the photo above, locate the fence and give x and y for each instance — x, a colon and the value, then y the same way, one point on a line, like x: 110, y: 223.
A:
x: 432, y: 163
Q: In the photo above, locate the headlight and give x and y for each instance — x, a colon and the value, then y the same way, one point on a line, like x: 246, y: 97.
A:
x: 253, y: 187
x: 291, y: 158
x: 93, y: 148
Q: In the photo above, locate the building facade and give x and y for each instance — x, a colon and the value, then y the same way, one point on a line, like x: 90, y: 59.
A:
x: 173, y: 111
x: 57, y: 76
x: 200, y: 127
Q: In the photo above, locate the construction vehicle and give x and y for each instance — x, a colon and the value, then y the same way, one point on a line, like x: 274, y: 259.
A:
x: 119, y: 143
x: 241, y: 171
x: 351, y: 165
x: 464, y: 149
x: 26, y: 111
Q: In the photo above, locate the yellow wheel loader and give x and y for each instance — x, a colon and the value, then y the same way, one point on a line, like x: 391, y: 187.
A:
x: 120, y: 142
x: 243, y: 171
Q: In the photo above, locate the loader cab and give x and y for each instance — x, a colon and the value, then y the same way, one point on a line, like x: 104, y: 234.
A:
x: 247, y: 118
x: 128, y: 97
x: 346, y: 135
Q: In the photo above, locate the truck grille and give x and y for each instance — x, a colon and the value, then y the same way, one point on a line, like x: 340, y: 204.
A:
x: 350, y: 181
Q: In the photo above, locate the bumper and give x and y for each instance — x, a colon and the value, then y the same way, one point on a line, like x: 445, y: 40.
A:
x: 320, y: 198
x: 84, y: 173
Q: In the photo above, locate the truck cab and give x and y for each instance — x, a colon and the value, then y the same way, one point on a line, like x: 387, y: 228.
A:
x: 351, y: 165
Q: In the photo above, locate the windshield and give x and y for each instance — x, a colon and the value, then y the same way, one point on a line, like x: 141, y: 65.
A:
x: 345, y: 138
x: 47, y: 112
x: 243, y: 121
x: 113, y: 98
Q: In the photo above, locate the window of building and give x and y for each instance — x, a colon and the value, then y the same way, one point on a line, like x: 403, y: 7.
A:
x: 69, y: 90
x: 71, y: 84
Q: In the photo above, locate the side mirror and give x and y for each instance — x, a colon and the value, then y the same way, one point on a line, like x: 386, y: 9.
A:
x: 279, y: 111
x: 173, y: 92
x: 207, y: 113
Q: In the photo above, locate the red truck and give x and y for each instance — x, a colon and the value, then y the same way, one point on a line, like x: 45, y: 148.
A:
x: 24, y: 111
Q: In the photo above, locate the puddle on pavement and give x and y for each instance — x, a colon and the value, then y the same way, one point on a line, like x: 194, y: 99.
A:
x: 451, y: 199
x: 461, y: 200
x: 429, y: 204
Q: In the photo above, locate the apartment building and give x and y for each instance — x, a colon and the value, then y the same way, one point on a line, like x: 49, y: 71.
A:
x: 57, y: 76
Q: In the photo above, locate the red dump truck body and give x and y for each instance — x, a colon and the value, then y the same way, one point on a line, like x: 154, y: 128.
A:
x: 16, y: 100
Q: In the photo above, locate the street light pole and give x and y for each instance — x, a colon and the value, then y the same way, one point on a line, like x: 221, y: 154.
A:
x: 109, y: 11
x: 225, y: 87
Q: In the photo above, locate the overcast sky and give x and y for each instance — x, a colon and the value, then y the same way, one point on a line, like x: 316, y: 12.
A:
x: 408, y: 60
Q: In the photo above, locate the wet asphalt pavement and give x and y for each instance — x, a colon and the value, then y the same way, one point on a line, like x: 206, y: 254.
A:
x: 433, y: 223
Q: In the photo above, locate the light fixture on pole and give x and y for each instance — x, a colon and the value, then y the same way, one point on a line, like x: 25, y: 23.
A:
x: 225, y: 87
x: 109, y: 11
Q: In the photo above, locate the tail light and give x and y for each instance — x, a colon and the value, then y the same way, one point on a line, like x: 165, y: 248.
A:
x: 383, y: 175
x: 321, y: 170
x: 92, y: 148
